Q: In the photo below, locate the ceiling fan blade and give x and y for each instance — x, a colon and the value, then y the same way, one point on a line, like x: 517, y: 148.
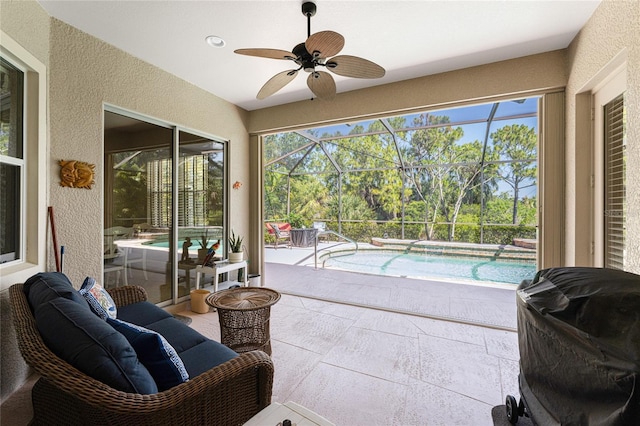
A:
x: 266, y: 53
x: 322, y: 85
x: 276, y: 83
x: 352, y: 66
x: 327, y: 43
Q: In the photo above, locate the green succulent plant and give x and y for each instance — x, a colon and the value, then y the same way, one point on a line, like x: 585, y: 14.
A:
x: 235, y: 243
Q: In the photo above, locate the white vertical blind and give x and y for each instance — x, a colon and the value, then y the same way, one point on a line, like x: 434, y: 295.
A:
x: 615, y: 183
x: 192, y: 196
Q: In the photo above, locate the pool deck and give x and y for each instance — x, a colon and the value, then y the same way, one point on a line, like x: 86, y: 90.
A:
x: 292, y: 271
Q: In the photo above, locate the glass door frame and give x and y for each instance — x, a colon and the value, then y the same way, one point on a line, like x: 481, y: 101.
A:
x: 175, y: 157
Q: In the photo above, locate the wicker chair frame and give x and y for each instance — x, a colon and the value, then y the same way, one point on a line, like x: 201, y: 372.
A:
x: 229, y: 394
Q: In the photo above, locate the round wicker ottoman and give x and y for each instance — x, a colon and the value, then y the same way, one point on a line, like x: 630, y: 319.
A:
x: 244, y: 317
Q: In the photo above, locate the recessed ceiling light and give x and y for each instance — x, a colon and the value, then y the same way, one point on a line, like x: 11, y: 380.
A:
x: 215, y: 41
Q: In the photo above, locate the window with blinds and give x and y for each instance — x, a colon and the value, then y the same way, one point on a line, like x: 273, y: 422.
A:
x: 192, y: 195
x: 160, y: 190
x: 615, y: 159
x: 12, y: 161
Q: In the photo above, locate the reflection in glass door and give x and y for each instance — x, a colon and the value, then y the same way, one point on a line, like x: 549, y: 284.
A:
x: 200, y: 205
x: 141, y: 194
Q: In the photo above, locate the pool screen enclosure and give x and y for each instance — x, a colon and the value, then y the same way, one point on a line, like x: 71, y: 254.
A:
x: 464, y: 174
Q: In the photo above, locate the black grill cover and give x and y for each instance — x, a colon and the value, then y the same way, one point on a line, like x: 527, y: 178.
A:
x: 579, y: 341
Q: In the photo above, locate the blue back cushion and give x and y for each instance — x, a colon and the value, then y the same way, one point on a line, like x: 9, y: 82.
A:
x: 142, y: 313
x: 46, y: 286
x: 181, y: 336
x: 155, y: 353
x: 78, y: 336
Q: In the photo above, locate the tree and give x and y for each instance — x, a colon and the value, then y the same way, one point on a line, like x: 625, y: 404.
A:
x: 353, y: 208
x: 370, y: 164
x: 309, y: 196
x: 516, y: 143
x: 449, y: 169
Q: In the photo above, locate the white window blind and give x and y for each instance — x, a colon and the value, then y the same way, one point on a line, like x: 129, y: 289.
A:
x: 192, y: 194
x: 615, y: 183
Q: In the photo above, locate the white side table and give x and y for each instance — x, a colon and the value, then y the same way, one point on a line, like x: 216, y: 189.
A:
x: 299, y: 415
x: 218, y: 269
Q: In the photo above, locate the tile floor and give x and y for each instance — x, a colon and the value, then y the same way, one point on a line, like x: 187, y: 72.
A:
x: 359, y: 363
x: 361, y: 366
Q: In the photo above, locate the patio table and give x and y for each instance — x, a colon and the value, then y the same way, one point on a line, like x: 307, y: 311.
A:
x: 244, y: 315
x: 303, y: 237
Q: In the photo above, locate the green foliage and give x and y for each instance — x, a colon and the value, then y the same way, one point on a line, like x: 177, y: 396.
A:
x: 516, y: 142
x: 445, y: 181
x: 296, y: 220
x: 353, y: 208
x: 129, y: 186
x: 5, y: 131
x: 235, y: 242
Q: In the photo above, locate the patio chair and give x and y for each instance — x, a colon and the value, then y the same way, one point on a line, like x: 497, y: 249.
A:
x: 115, y: 258
x: 280, y: 234
x: 112, y: 263
x: 130, y: 260
x: 321, y: 227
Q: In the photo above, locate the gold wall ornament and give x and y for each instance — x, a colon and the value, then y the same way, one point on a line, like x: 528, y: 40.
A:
x: 76, y: 174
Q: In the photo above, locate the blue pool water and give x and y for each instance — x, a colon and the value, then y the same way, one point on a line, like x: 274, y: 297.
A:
x: 399, y: 264
x: 193, y: 249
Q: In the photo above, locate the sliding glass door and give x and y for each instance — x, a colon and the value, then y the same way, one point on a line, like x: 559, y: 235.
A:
x: 200, y: 204
x: 164, y: 196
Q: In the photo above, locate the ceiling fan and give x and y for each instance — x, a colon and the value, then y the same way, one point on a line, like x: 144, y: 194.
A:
x: 317, y: 51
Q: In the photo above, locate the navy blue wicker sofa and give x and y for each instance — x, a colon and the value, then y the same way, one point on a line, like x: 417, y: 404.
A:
x: 134, y: 365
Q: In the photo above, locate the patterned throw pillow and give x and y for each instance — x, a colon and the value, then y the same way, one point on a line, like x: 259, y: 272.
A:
x: 155, y: 353
x: 99, y: 300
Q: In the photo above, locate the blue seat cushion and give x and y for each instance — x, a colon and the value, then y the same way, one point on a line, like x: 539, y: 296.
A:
x: 204, y: 356
x: 181, y: 336
x: 46, y: 286
x: 142, y: 313
x: 81, y: 338
x: 155, y: 353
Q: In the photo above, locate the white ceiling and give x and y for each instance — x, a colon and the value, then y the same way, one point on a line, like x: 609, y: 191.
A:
x: 408, y: 38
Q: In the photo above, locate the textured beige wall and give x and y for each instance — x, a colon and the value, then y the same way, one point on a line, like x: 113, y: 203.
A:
x: 28, y: 24
x: 528, y: 74
x: 612, y: 31
x: 85, y: 73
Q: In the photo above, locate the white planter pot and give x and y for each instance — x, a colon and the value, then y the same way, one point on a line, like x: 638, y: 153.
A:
x: 236, y: 257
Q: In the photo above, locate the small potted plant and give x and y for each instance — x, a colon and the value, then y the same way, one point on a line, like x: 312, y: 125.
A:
x: 203, y: 242
x: 235, y: 248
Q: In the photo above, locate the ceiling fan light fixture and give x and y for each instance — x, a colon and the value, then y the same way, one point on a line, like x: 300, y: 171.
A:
x: 215, y: 41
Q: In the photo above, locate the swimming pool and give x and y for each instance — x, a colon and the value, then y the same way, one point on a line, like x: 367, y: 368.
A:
x: 193, y: 249
x: 400, y: 264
